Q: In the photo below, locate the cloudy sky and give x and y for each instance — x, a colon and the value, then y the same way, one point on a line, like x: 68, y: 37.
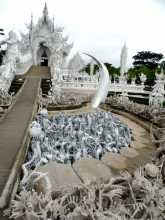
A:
x: 99, y: 27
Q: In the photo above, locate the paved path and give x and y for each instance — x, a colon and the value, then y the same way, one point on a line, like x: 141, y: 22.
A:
x: 38, y: 71
x: 142, y: 144
x: 14, y: 126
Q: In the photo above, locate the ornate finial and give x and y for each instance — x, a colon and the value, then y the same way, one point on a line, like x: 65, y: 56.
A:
x: 31, y: 23
x: 31, y: 28
x: 45, y: 11
x: 53, y: 24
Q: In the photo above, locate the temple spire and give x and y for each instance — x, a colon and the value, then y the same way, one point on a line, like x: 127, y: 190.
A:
x: 31, y: 22
x: 45, y: 10
x: 31, y: 27
x: 123, y: 60
x: 53, y: 24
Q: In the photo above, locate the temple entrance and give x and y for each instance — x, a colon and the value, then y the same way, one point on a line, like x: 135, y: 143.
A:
x: 44, y: 59
x: 43, y: 55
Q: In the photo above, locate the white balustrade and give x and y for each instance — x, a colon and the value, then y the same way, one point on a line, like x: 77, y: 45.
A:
x: 133, y: 88
x: 74, y: 80
x: 71, y: 79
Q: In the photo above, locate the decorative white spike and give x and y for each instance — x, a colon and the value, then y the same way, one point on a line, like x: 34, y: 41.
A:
x: 103, y: 88
x: 45, y: 11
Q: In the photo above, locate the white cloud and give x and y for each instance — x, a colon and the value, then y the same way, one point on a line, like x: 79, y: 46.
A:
x: 100, y: 27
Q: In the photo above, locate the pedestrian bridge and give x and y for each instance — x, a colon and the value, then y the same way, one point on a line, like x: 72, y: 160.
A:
x: 14, y: 130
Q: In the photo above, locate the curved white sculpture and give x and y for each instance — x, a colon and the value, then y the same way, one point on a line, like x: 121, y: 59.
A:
x: 102, y: 91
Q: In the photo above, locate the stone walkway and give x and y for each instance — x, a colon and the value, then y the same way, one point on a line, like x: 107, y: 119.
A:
x: 142, y: 149
x: 39, y: 72
x: 12, y: 131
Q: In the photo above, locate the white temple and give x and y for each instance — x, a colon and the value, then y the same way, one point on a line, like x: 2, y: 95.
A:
x: 44, y: 45
x: 47, y: 45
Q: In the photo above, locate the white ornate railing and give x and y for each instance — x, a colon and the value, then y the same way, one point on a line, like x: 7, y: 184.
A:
x: 133, y: 88
x: 79, y: 85
x: 113, y: 87
x: 72, y: 79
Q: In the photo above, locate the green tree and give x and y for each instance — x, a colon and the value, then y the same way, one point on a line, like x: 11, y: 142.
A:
x: 113, y: 71
x: 135, y: 72
x: 147, y: 58
x: 146, y: 62
x: 87, y: 68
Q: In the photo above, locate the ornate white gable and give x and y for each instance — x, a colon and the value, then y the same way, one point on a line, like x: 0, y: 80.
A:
x: 46, y: 39
x: 43, y: 45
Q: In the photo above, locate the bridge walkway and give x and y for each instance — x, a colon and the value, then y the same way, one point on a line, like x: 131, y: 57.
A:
x: 14, y: 129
